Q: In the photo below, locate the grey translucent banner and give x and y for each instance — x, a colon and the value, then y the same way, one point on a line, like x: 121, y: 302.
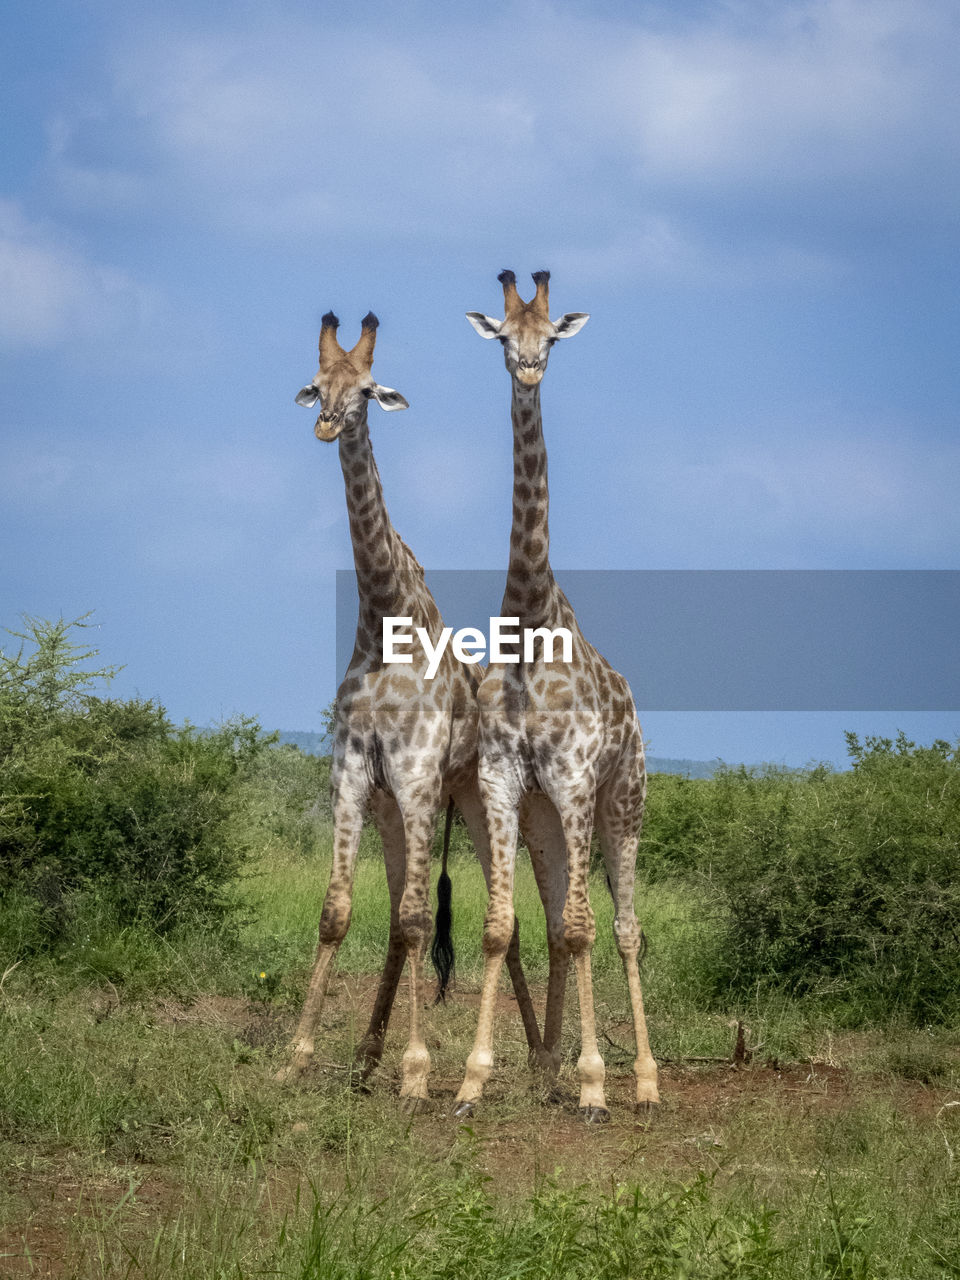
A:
x: 742, y: 640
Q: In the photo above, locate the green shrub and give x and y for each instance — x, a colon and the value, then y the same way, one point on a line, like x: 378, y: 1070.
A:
x: 846, y: 883
x: 285, y: 800
x: 679, y: 819
x: 105, y: 796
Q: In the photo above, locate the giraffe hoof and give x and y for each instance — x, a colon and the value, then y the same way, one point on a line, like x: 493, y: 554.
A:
x: 289, y: 1073
x: 646, y: 1112
x: 360, y: 1083
x: 411, y: 1104
x: 464, y: 1110
x: 361, y: 1069
x: 595, y: 1115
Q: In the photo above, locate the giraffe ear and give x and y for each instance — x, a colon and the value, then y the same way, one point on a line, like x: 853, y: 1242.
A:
x: 484, y: 325
x: 570, y: 323
x: 308, y: 396
x: 387, y: 398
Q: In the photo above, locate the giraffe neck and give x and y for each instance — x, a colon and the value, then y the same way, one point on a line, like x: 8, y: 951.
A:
x: 531, y: 590
x: 389, y: 578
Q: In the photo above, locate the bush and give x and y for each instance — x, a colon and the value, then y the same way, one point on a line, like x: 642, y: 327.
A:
x: 678, y: 821
x: 285, y: 801
x: 846, y: 883
x: 105, y: 796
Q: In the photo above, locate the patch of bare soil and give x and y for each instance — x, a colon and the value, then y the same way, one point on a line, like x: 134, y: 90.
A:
x: 54, y: 1201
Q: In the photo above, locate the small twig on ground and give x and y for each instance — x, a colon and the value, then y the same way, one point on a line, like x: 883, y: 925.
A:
x: 740, y: 1057
x: 6, y: 974
x: 742, y: 1052
x: 946, y: 1107
x: 672, y: 1062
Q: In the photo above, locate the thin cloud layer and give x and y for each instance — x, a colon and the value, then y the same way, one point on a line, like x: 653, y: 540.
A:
x: 51, y: 292
x: 756, y: 202
x: 780, y: 117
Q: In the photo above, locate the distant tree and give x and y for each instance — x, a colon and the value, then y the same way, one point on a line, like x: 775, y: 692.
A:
x: 328, y: 722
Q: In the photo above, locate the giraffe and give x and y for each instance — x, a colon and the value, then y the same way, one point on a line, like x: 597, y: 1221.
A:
x: 402, y: 744
x: 561, y: 750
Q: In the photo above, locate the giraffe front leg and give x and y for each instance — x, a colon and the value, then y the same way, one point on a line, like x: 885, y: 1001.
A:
x: 497, y: 932
x: 334, y: 922
x: 580, y: 931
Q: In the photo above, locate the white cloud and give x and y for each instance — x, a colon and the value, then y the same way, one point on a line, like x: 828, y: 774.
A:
x: 51, y: 292
x: 36, y: 478
x: 726, y: 146
x: 846, y: 492
x: 375, y: 125
x: 816, y: 92
x: 658, y: 248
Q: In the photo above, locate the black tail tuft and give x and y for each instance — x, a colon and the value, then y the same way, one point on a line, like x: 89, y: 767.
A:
x: 441, y: 949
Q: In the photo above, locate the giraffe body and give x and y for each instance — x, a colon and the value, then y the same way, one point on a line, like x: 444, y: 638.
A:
x: 561, y: 751
x: 402, y: 744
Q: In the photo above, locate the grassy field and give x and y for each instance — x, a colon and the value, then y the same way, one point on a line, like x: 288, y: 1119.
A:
x: 142, y: 1134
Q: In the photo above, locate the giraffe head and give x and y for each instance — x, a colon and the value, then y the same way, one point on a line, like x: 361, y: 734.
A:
x: 526, y: 331
x: 343, y: 384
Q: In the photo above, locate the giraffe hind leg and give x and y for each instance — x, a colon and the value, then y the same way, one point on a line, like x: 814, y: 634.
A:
x: 543, y: 835
x: 390, y: 825
x: 418, y: 804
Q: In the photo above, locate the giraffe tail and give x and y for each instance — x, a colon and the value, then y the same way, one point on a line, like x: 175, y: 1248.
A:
x: 441, y: 950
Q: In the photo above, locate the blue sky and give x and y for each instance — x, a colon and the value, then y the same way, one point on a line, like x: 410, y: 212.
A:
x: 758, y: 203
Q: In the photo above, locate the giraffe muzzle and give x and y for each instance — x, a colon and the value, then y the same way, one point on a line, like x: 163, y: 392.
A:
x: 328, y: 428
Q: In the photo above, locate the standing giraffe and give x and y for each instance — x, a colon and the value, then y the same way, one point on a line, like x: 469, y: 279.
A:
x: 402, y: 744
x: 560, y: 749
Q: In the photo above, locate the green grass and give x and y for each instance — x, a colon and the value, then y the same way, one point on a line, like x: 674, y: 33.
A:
x: 142, y: 1133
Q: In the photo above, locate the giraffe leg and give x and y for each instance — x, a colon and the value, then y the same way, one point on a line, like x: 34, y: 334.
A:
x: 501, y: 809
x: 618, y: 823
x: 390, y: 825
x: 470, y: 805
x: 543, y: 833
x: 580, y: 931
x: 418, y: 805
x: 348, y: 810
